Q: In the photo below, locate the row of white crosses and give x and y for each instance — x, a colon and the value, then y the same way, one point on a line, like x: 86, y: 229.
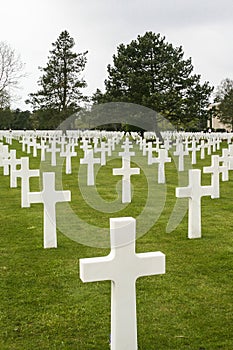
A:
x: 123, y: 258
x: 48, y: 196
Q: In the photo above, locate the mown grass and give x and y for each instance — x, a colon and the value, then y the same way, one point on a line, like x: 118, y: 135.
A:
x: 45, y: 305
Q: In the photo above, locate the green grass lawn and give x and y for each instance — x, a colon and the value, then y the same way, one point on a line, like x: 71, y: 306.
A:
x: 45, y: 305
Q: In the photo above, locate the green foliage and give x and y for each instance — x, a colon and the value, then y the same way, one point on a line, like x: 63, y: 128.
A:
x: 60, y: 83
x: 15, y: 120
x: 224, y: 98
x: 152, y: 73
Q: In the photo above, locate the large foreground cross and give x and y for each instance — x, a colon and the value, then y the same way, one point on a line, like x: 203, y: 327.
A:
x: 122, y: 266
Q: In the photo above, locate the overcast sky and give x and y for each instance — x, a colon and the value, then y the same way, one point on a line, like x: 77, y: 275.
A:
x: 204, y: 28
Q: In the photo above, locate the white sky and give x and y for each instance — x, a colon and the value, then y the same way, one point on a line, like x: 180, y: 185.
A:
x: 204, y: 28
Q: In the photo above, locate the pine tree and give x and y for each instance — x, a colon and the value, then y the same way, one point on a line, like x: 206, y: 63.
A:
x: 152, y: 73
x: 61, y: 83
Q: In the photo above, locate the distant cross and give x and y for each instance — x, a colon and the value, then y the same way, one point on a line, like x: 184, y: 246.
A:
x: 103, y: 149
x: 161, y: 160
x: 53, y: 150
x: 194, y: 191
x: 85, y: 146
x: 62, y: 143
x: 202, y: 147
x: 181, y: 152
x: 68, y: 154
x: 126, y: 171
x: 35, y: 146
x: 10, y: 165
x: 150, y: 150
x: 230, y: 152
x: 208, y: 145
x: 25, y: 173
x: 90, y: 161
x: 126, y: 154
x: 4, y: 154
x: 42, y: 146
x: 49, y: 197
x: 226, y: 158
x: 194, y: 148
x: 24, y: 142
x: 122, y: 266
x: 215, y: 169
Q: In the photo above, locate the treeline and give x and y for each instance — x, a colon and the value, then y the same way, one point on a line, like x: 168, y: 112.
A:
x: 148, y: 72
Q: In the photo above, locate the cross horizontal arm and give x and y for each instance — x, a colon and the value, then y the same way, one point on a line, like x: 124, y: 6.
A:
x: 184, y: 192
x: 91, y: 269
x: 152, y: 263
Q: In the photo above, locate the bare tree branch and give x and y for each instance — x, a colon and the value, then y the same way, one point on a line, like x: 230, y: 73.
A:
x: 11, y: 71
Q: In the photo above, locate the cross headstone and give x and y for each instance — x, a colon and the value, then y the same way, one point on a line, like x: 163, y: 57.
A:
x: 215, y: 169
x: 226, y: 158
x: 10, y: 165
x: 49, y: 197
x: 53, y: 150
x: 4, y: 154
x: 90, y: 161
x: 161, y: 160
x: 43, y: 147
x: 194, y: 191
x: 122, y: 266
x: 194, y: 148
x: 25, y: 173
x: 126, y: 171
x: 68, y: 154
x: 103, y: 149
x: 202, y: 147
x: 181, y: 152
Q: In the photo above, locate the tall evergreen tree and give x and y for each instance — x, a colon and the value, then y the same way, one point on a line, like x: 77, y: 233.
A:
x: 224, y: 98
x: 152, y: 73
x: 61, y: 83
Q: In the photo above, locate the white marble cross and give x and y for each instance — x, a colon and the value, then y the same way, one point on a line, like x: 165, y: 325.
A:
x: 49, y: 197
x: 85, y: 146
x: 122, y: 266
x: 194, y: 148
x: 150, y: 150
x: 226, y: 158
x: 25, y: 173
x: 202, y: 147
x: 4, y: 154
x: 126, y: 171
x: 161, y: 160
x: 103, y: 149
x: 90, y: 161
x: 194, y: 191
x: 68, y: 154
x: 181, y: 152
x: 215, y: 169
x: 53, y: 150
x: 230, y: 152
x: 10, y: 165
x: 42, y: 146
x: 126, y: 154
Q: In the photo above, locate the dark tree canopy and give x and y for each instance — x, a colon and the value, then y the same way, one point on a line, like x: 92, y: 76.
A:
x: 151, y: 72
x: 61, y: 82
x: 224, y: 98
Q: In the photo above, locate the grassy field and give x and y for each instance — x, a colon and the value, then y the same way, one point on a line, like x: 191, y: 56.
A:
x: 45, y: 305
